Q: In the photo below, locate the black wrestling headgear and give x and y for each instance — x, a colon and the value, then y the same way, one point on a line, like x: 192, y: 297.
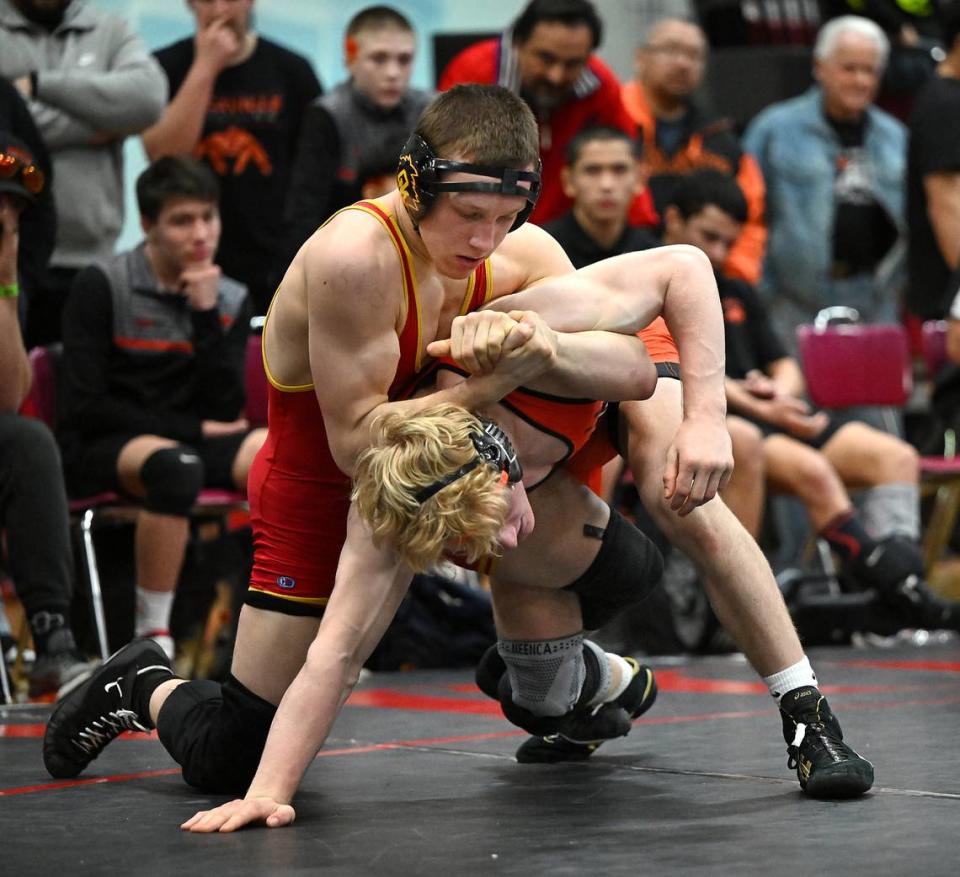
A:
x: 418, y: 179
x: 493, y: 447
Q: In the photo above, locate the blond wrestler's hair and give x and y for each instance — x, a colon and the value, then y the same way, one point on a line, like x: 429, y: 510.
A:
x: 407, y: 455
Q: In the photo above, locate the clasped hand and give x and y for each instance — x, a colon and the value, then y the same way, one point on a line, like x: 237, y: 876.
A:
x: 518, y: 344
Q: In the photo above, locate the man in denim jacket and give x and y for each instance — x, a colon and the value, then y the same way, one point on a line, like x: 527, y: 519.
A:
x: 834, y: 170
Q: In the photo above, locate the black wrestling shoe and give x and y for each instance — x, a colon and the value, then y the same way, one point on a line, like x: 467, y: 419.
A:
x: 825, y: 765
x: 88, y: 718
x: 587, y: 732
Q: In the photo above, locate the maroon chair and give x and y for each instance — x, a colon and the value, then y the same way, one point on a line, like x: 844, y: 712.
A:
x: 854, y: 364
x: 88, y: 512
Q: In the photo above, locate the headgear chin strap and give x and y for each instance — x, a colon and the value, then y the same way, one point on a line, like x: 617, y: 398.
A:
x: 418, y: 179
x: 494, y: 448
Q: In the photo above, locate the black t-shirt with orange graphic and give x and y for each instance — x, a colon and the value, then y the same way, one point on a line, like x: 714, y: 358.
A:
x: 249, y: 139
x: 751, y: 342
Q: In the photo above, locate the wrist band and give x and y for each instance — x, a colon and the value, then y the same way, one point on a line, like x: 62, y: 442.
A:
x: 9, y: 290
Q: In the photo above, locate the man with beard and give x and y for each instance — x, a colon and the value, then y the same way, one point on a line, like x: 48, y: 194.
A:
x: 547, y: 58
x: 237, y: 103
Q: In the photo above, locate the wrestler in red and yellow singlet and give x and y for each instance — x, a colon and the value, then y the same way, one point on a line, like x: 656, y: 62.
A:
x: 294, y: 482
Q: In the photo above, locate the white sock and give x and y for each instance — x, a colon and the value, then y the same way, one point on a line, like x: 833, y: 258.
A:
x: 794, y: 676
x: 153, y: 611
x: 620, y: 674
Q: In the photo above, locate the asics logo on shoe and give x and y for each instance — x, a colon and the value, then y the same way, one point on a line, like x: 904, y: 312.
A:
x: 116, y: 683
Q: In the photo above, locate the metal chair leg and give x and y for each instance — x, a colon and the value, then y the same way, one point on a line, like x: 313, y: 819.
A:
x: 93, y: 577
x: 5, y: 688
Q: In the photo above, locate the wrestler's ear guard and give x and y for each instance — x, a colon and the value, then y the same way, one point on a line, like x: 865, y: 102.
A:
x: 418, y: 179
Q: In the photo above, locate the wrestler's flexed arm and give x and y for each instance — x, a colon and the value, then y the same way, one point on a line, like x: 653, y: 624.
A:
x: 353, y: 312
x: 623, y: 294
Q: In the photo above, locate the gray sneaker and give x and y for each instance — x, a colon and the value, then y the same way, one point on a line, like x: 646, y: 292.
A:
x: 58, y: 672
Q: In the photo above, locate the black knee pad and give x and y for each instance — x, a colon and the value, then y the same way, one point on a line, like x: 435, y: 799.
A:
x: 216, y: 733
x: 172, y: 478
x: 625, y: 572
x: 489, y: 671
x: 543, y: 726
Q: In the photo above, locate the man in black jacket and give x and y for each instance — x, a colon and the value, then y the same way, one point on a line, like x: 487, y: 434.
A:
x: 154, y: 344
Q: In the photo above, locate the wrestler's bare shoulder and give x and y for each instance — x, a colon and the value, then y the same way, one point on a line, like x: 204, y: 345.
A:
x: 345, y: 270
x: 352, y: 248
x: 527, y: 255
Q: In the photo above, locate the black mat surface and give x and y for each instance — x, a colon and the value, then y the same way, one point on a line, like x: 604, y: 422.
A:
x: 419, y: 779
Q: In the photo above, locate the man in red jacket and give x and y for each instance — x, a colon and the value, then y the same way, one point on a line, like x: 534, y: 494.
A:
x: 547, y: 58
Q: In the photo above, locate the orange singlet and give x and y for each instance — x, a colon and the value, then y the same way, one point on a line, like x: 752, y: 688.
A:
x: 299, y: 498
x: 587, y: 463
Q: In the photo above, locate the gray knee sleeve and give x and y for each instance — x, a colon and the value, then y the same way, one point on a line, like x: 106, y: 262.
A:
x: 172, y: 478
x: 550, y: 677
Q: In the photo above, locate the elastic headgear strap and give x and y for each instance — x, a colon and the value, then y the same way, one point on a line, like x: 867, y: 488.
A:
x: 418, y: 179
x: 494, y: 448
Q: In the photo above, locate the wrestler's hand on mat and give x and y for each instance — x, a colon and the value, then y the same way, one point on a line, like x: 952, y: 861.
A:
x: 699, y: 463
x: 237, y: 814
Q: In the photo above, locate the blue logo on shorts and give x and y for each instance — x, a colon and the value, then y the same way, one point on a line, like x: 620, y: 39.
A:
x: 286, y: 582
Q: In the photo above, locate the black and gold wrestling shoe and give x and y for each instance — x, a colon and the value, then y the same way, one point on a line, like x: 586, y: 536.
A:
x: 589, y: 731
x: 826, y: 766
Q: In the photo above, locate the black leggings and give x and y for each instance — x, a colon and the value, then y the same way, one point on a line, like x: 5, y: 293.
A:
x: 33, y: 511
x: 216, y: 733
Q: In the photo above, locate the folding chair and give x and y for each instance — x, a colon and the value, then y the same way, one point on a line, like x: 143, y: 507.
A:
x: 88, y: 512
x: 854, y: 364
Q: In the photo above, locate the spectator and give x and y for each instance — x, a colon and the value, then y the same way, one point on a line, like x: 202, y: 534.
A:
x: 602, y: 176
x: 833, y: 165
x: 237, y: 103
x: 805, y: 453
x: 33, y: 503
x: 154, y: 344
x: 351, y: 137
x: 933, y: 182
x: 38, y: 225
x: 547, y: 58
x: 913, y: 28
x: 89, y: 82
x: 679, y: 136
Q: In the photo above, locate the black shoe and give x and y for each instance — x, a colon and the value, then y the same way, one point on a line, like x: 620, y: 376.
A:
x: 918, y: 602
x: 87, y: 719
x: 587, y: 732
x: 825, y: 765
x: 59, y: 672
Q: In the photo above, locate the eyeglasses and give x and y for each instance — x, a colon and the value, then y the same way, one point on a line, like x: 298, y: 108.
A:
x: 674, y: 51
x: 31, y: 176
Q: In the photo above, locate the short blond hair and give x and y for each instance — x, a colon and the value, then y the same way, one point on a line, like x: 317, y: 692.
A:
x: 407, y: 455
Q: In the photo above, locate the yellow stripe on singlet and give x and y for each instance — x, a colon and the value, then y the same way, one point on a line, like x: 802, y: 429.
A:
x: 312, y: 601
x: 408, y: 275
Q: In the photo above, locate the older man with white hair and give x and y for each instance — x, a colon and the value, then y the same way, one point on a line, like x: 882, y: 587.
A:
x: 834, y: 165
